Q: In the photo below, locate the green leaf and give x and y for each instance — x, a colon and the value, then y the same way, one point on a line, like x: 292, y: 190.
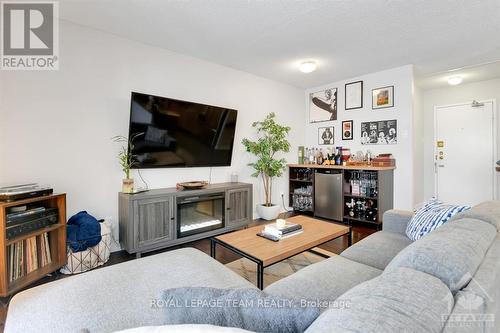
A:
x: 125, y: 157
x: 271, y: 140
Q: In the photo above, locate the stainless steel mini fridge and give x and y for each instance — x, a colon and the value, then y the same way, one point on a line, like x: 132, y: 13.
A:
x: 328, y: 196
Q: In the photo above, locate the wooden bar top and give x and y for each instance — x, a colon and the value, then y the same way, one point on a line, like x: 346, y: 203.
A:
x: 341, y: 167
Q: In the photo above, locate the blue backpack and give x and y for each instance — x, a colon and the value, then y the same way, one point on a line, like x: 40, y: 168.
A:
x: 83, y: 231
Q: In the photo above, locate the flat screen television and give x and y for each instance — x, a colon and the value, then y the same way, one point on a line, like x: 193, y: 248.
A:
x: 174, y: 133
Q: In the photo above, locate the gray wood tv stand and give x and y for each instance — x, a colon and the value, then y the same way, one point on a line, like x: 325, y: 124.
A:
x: 166, y: 217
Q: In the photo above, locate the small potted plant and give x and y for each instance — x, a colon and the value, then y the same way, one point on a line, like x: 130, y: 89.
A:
x: 127, y: 160
x: 272, y: 139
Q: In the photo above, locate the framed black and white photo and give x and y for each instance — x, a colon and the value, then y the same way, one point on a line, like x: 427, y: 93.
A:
x: 323, y: 105
x: 347, y: 130
x: 326, y: 135
x: 383, y: 132
x: 354, y: 95
x: 383, y: 98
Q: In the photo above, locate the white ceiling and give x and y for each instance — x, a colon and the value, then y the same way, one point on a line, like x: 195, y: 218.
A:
x: 469, y: 74
x: 270, y: 37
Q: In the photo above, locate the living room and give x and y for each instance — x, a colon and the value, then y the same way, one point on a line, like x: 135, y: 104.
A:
x: 423, y: 74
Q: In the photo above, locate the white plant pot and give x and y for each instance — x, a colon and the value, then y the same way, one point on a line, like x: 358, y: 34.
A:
x: 268, y: 213
x: 128, y: 185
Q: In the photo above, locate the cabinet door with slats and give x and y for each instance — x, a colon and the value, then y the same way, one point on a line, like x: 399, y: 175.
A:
x: 153, y: 221
x: 239, y: 206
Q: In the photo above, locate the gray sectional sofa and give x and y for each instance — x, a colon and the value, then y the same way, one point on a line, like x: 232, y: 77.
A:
x: 447, y: 281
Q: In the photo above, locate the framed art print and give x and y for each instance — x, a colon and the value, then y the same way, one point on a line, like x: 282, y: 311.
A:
x: 383, y: 132
x: 323, y: 105
x: 326, y: 135
x: 354, y: 95
x: 347, y: 131
x: 383, y: 98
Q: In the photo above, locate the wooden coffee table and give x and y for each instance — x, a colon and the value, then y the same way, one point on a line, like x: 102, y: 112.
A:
x: 265, y: 252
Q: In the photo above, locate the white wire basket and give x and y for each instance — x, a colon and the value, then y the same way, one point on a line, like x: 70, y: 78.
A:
x: 95, y: 256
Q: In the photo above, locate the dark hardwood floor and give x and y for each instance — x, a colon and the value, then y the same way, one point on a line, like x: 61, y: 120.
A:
x: 359, y: 231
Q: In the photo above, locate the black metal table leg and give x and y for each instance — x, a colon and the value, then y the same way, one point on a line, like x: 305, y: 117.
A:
x: 260, y: 276
x: 260, y: 264
x: 212, y: 248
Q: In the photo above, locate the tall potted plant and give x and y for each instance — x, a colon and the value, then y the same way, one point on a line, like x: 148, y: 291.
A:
x: 272, y: 139
x: 127, y: 160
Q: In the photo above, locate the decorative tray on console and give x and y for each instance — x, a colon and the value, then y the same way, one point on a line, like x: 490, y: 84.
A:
x: 194, y: 185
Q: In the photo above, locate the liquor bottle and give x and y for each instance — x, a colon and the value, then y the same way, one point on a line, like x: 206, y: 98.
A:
x: 338, y: 157
x: 359, y: 212
x: 369, y: 157
x: 311, y: 156
x: 329, y: 155
x: 301, y: 155
x: 355, y: 183
x: 363, y: 207
x: 371, y: 211
x: 320, y: 157
x: 363, y: 188
x: 351, y: 182
x: 351, y: 207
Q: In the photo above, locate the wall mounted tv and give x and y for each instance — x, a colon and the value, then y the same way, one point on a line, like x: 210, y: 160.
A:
x: 177, y: 133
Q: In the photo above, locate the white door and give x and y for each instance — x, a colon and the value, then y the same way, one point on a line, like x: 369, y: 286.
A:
x: 465, y: 153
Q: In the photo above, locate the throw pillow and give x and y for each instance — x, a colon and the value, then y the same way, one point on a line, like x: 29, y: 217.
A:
x: 248, y: 309
x: 431, y: 216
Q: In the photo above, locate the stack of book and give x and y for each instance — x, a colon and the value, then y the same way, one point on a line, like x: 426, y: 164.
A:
x: 45, y: 250
x: 16, y: 260
x: 28, y: 255
x: 31, y: 255
x: 384, y: 160
x: 289, y: 230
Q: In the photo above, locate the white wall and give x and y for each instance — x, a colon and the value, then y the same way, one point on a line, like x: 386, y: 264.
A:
x: 402, y: 80
x: 56, y: 125
x: 418, y: 145
x: 463, y: 93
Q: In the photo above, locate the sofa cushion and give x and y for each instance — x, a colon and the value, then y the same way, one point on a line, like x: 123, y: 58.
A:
x: 183, y: 329
x: 249, y: 309
x: 396, y: 221
x: 115, y: 297
x: 323, y: 281
x: 431, y: 216
x: 479, y: 301
x: 451, y: 253
x: 488, y: 211
x: 403, y: 300
x: 378, y: 249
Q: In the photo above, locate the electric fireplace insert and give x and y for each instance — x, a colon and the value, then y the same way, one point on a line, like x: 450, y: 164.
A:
x: 200, y: 213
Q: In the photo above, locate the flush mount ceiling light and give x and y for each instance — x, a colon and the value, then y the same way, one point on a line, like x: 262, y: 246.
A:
x: 307, y: 66
x: 454, y: 80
